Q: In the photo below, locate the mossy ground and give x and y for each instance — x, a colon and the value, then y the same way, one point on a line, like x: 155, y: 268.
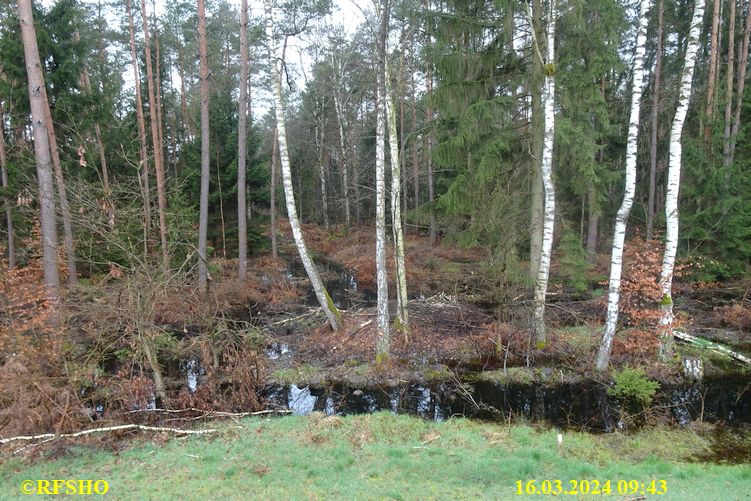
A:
x: 381, y: 456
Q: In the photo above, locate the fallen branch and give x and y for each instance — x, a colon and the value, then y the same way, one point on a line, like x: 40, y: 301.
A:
x: 717, y: 348
x: 214, y: 413
x: 53, y: 436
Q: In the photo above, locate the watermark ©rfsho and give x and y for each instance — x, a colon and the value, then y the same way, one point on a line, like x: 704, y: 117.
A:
x: 68, y: 487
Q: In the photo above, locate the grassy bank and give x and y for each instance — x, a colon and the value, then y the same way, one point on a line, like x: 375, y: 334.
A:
x: 382, y: 456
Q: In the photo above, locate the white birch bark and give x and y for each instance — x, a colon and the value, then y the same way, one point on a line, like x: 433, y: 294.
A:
x: 383, y: 335
x: 402, y: 313
x: 330, y: 310
x: 548, y: 98
x: 674, y: 178
x: 320, y: 137
x: 39, y: 122
x: 619, y: 236
x: 341, y: 119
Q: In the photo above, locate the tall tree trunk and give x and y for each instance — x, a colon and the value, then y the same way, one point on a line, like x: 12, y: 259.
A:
x: 674, y: 177
x: 396, y: 211
x: 274, y: 175
x: 70, y: 251
x: 429, y: 153
x: 141, y: 135
x: 341, y: 120
x: 548, y: 100
x: 39, y: 108
x: 537, y: 207
x: 415, y: 163
x: 742, y: 62
x: 383, y: 320
x: 320, y: 136
x: 655, y: 124
x: 158, y: 87
x: 619, y: 235
x: 6, y: 201
x: 713, y: 50
x: 332, y: 313
x: 242, y: 132
x: 155, y: 140
x: 729, y: 88
x: 203, y: 216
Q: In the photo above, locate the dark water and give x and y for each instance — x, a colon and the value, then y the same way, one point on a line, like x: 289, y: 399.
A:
x: 585, y: 405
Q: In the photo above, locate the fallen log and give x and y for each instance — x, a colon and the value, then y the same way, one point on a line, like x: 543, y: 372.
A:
x: 53, y: 436
x: 710, y: 345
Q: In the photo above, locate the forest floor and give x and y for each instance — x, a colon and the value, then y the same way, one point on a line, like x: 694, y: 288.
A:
x: 462, y: 318
x: 382, y: 456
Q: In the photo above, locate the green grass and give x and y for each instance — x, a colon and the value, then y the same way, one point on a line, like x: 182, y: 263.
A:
x: 381, y: 456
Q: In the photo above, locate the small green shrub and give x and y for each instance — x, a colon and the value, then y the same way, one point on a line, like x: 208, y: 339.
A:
x: 632, y: 385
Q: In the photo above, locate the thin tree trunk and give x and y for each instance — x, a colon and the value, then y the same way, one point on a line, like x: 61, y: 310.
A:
x: 39, y: 109
x: 6, y: 202
x: 713, y: 50
x: 158, y: 85
x: 655, y: 125
x: 619, y: 235
x: 383, y: 320
x: 242, y: 132
x: 429, y: 153
x: 341, y: 120
x: 729, y: 88
x: 203, y: 217
x: 548, y: 100
x: 537, y: 207
x: 141, y: 135
x: 320, y: 136
x: 396, y: 212
x: 332, y: 313
x: 156, y: 141
x: 593, y: 221
x: 742, y: 62
x: 183, y: 96
x: 274, y: 174
x: 86, y: 81
x: 415, y: 163
x: 674, y: 177
x: 70, y: 251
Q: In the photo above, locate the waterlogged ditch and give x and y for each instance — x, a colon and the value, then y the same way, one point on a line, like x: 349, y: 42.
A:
x: 585, y: 405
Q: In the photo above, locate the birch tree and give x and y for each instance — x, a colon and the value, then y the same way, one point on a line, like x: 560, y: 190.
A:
x: 39, y: 121
x: 674, y: 178
x: 203, y: 214
x: 242, y: 132
x: 333, y: 315
x: 619, y: 236
x: 396, y: 213
x: 383, y: 334
x: 548, y: 100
